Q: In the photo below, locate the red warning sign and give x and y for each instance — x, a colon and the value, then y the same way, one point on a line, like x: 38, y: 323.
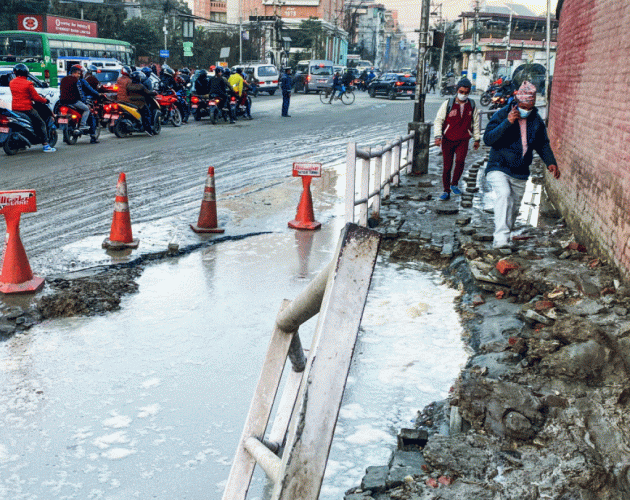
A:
x: 307, y: 169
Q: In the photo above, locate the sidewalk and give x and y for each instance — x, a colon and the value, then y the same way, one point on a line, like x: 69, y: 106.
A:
x: 540, y: 411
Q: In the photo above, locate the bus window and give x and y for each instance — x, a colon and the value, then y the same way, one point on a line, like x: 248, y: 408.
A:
x: 21, y: 46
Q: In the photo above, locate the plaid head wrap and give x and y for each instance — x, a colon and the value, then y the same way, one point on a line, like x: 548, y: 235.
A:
x: 526, y: 93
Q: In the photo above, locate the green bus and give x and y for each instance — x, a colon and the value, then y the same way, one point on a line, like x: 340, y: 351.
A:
x: 40, y: 51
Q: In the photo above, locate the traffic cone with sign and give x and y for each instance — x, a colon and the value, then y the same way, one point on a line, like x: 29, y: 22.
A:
x: 207, y: 222
x: 120, y: 235
x: 305, y: 218
x: 16, y: 276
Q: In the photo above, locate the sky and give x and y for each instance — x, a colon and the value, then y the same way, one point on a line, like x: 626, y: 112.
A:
x: 409, y: 10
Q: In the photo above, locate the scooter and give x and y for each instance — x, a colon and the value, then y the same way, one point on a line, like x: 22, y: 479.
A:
x: 170, y: 112
x: 200, y: 105
x: 447, y: 89
x: 17, y: 132
x: 129, y: 120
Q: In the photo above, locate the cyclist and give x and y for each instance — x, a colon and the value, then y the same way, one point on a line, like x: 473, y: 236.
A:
x: 336, y: 86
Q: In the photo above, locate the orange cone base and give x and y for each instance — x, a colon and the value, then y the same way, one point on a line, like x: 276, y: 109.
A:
x: 198, y: 229
x: 27, y: 287
x: 309, y: 226
x: 119, y: 245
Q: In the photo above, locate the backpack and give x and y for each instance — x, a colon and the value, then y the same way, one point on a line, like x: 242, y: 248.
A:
x: 451, y: 101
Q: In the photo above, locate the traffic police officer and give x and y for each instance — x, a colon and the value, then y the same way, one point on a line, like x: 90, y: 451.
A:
x: 286, y: 85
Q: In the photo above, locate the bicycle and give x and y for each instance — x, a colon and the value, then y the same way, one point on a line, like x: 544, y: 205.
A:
x: 327, y: 96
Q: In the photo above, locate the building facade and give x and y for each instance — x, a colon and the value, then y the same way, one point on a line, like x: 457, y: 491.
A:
x: 593, y: 147
x: 497, y: 40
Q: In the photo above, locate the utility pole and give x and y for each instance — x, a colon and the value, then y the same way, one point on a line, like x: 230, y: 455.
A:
x: 548, y: 56
x: 473, y: 66
x: 508, y: 47
x: 420, y: 163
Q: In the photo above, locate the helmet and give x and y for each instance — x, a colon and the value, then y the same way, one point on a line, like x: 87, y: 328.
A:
x: 146, y: 70
x: 20, y: 69
x: 125, y: 70
x: 227, y: 72
x: 185, y: 71
x: 203, y: 74
x: 92, y: 68
x: 212, y: 68
x: 218, y: 70
x: 76, y: 67
x: 138, y: 76
x: 239, y: 71
x: 168, y: 71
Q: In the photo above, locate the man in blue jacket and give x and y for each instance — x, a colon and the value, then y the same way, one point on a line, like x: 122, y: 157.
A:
x: 285, y: 84
x: 514, y: 133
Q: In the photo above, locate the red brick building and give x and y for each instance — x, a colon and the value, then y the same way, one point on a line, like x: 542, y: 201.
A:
x: 589, y: 127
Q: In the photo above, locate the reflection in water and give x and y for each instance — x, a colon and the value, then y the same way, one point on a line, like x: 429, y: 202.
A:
x: 304, y: 242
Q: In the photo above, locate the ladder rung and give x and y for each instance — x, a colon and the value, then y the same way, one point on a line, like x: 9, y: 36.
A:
x: 269, y: 462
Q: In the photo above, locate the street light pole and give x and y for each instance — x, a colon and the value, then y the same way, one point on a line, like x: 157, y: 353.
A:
x: 507, y: 47
x: 420, y: 162
x: 548, y: 55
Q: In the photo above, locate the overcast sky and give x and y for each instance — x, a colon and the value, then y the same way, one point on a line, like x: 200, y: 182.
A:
x: 409, y: 10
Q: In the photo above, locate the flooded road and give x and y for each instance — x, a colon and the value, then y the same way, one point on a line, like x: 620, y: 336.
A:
x: 150, y: 401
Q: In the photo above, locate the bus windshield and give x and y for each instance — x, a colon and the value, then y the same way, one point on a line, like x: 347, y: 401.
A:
x: 20, y: 48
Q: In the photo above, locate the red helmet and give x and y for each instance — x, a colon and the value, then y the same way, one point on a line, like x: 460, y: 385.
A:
x: 212, y: 67
x: 76, y: 67
x: 125, y: 70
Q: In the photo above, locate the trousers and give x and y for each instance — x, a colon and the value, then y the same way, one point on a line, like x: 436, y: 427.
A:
x: 286, y: 99
x: 85, y: 112
x: 509, y: 192
x: 38, y: 125
x: 450, y: 150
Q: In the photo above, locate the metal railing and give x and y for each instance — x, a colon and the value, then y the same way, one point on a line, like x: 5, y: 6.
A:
x: 294, y: 453
x: 388, y: 166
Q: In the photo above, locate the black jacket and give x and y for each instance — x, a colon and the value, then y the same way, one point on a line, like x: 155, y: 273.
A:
x: 202, y: 86
x: 218, y: 86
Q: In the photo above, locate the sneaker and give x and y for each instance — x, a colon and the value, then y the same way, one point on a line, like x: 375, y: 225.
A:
x: 48, y: 149
x: 455, y: 190
x: 445, y: 196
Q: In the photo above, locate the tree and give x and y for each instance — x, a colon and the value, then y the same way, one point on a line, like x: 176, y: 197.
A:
x: 143, y: 35
x: 310, y: 36
x: 9, y: 9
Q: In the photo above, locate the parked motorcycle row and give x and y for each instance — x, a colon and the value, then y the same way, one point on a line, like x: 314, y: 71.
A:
x: 120, y: 118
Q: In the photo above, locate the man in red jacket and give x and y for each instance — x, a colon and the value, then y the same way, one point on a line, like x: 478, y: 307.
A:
x: 23, y: 94
x: 456, y: 122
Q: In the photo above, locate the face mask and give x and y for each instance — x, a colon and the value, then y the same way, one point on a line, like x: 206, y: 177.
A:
x: 524, y: 112
x: 462, y: 97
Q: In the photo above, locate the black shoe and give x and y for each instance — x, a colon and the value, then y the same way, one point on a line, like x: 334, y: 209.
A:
x: 232, y: 122
x: 94, y: 140
x: 286, y: 116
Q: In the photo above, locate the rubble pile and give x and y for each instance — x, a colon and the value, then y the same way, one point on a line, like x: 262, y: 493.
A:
x: 542, y: 408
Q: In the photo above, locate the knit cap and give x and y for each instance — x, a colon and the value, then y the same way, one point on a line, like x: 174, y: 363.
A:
x: 526, y: 93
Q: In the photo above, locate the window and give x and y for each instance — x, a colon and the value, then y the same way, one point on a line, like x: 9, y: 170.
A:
x: 267, y: 71
x: 322, y: 70
x: 21, y: 47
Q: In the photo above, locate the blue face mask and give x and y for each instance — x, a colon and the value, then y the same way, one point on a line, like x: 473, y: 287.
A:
x: 524, y: 112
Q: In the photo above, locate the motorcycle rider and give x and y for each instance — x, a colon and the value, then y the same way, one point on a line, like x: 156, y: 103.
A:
x: 91, y: 79
x: 23, y: 93
x: 237, y: 85
x: 219, y: 87
x: 122, y: 82
x: 169, y: 82
x: 202, y: 84
x: 140, y: 97
x: 147, y: 81
x: 363, y: 79
x: 184, y: 73
x: 73, y: 91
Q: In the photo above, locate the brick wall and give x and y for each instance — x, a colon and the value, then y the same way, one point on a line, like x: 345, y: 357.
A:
x: 589, y: 126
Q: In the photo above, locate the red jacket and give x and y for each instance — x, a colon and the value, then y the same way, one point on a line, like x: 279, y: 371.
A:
x: 23, y: 93
x: 458, y: 123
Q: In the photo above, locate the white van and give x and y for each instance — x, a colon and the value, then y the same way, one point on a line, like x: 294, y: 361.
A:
x: 313, y: 75
x: 64, y: 63
x: 267, y: 75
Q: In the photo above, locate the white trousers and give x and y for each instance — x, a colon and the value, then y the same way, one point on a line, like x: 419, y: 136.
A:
x: 509, y: 192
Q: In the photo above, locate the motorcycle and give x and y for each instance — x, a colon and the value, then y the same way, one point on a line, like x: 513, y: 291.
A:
x: 498, y: 101
x: 128, y: 119
x: 240, y: 109
x: 486, y: 97
x: 200, y: 105
x: 69, y: 122
x: 17, y: 132
x: 168, y: 102
x: 447, y: 89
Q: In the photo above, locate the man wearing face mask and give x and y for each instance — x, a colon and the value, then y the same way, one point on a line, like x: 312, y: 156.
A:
x: 514, y: 133
x: 456, y: 122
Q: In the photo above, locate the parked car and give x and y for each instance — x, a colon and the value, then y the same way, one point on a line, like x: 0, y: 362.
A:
x: 43, y: 89
x: 393, y: 85
x: 313, y: 75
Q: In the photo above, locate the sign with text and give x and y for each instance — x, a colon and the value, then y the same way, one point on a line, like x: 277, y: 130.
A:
x: 67, y: 26
x: 30, y: 22
x: 18, y: 201
x: 165, y: 54
x: 303, y: 169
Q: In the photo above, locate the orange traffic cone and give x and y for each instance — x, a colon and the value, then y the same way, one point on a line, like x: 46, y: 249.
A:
x: 305, y: 218
x: 120, y: 235
x: 207, y: 222
x: 16, y: 276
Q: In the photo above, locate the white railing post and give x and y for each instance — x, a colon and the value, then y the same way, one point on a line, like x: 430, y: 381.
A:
x: 378, y: 179
x: 388, y: 171
x: 396, y: 153
x: 409, y: 155
x: 365, y: 190
x: 351, y: 167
